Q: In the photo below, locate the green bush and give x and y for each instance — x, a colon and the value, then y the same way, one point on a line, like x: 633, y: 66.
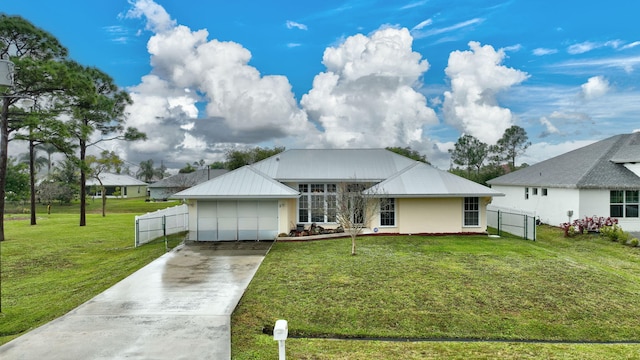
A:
x: 614, y: 233
x: 634, y: 242
x: 624, y: 237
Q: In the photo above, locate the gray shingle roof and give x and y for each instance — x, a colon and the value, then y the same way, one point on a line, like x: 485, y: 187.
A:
x: 189, y: 179
x: 595, y: 166
x: 109, y: 179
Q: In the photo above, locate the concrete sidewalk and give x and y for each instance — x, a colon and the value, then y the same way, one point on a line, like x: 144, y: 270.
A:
x: 177, y: 307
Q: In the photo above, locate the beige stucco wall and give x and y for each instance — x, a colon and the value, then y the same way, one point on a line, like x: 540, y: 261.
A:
x: 287, y: 215
x: 432, y: 215
x: 136, y: 191
x: 415, y: 216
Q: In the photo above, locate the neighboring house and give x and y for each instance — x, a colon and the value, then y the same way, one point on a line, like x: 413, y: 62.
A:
x: 601, y: 179
x: 166, y: 187
x: 299, y: 187
x: 117, y: 185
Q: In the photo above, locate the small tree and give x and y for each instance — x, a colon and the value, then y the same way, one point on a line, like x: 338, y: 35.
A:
x: 17, y: 182
x: 356, y: 207
x: 469, y: 152
x: 108, y: 160
x: 513, y: 143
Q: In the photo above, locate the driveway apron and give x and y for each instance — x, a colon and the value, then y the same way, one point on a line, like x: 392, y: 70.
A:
x: 177, y: 307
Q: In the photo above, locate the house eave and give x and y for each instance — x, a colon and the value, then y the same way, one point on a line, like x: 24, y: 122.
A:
x: 235, y: 197
x: 434, y: 196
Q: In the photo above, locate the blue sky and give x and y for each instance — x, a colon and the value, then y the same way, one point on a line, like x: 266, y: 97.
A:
x: 211, y: 75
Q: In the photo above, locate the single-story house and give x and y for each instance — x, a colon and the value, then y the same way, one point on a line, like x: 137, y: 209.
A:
x: 165, y: 188
x: 300, y: 188
x: 601, y: 179
x: 116, y: 185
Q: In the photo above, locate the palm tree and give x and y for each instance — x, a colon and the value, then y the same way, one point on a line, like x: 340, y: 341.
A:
x: 50, y: 149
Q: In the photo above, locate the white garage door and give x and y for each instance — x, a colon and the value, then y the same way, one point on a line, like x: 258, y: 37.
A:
x: 237, y: 220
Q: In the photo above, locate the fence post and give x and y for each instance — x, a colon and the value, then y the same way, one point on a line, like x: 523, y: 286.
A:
x: 164, y: 232
x: 137, y: 232
x: 534, y: 227
x: 499, y: 225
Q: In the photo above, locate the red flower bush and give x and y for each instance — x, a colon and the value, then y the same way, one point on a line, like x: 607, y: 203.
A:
x: 589, y: 224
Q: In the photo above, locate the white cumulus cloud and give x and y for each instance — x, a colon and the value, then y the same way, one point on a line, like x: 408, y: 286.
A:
x: 595, y: 87
x: 477, y: 76
x: 367, y: 96
x: 241, y: 105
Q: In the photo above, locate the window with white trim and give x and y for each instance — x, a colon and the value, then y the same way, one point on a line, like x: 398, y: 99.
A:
x: 317, y: 203
x: 624, y: 203
x: 387, y: 212
x: 471, y: 211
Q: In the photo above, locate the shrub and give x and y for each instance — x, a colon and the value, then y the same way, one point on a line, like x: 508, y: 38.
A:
x: 624, y: 237
x: 634, y: 242
x: 590, y: 224
x: 615, y: 233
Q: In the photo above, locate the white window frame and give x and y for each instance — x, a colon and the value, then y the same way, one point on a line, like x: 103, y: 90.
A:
x: 392, y: 211
x: 465, y: 211
x: 626, y: 203
x: 310, y: 192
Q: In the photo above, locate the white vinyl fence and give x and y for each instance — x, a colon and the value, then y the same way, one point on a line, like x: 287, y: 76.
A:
x: 161, y: 223
x: 513, y: 221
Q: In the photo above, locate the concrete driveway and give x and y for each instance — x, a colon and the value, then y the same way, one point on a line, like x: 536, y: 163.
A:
x: 177, y: 307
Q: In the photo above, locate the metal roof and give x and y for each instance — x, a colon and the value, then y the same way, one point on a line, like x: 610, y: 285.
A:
x: 398, y: 176
x: 423, y: 180
x: 109, y: 179
x: 245, y: 182
x: 595, y: 166
x: 300, y: 165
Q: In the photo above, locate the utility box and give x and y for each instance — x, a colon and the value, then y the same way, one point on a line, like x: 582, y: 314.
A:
x: 6, y: 73
x: 281, y: 330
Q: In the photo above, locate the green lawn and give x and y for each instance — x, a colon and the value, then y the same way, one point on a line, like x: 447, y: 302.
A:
x: 431, y: 288
x: 52, y: 267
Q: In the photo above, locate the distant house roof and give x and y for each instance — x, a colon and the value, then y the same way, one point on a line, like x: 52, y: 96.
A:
x: 596, y: 166
x: 109, y: 179
x: 188, y: 179
x: 398, y: 176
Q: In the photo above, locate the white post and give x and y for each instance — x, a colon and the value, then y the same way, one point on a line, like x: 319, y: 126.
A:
x: 280, y: 333
x: 281, y: 350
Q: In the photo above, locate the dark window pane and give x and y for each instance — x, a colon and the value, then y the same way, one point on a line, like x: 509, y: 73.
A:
x: 471, y: 211
x: 631, y: 196
x: 617, y: 197
x: 632, y: 211
x: 615, y: 211
x: 471, y: 219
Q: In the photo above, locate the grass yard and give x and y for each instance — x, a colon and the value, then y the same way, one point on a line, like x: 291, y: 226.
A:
x: 558, y: 291
x: 51, y: 268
